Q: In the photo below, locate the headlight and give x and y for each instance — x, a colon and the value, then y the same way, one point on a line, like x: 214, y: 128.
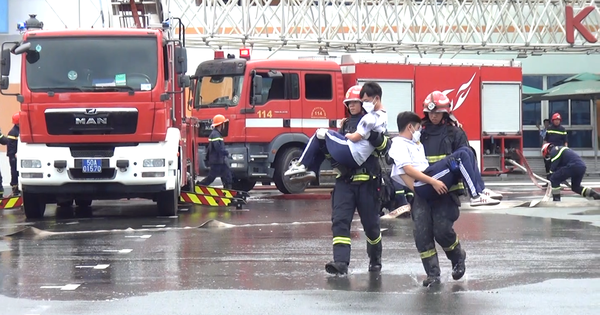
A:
x: 237, y: 157
x: 154, y: 163
x: 31, y: 163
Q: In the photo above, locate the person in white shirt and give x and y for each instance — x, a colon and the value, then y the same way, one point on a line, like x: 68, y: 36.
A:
x: 412, y: 169
x: 348, y: 151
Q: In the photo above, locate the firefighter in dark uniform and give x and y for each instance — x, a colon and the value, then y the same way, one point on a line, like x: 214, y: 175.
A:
x: 440, y: 137
x: 555, y: 135
x: 357, y: 189
x: 11, y: 140
x: 216, y: 154
x: 565, y: 164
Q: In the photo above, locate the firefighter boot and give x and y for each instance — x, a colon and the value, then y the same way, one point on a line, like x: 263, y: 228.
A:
x: 432, y: 268
x: 457, y: 256
x: 556, y: 195
x: 374, y: 252
x: 336, y: 268
x: 588, y: 192
x: 15, y: 190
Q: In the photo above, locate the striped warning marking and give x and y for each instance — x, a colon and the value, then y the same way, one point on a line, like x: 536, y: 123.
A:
x: 209, y: 200
x: 11, y: 202
x: 219, y: 192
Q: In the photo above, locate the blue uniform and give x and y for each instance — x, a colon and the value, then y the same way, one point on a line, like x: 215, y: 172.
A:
x: 216, y: 157
x: 556, y: 135
x: 11, y: 141
x: 565, y: 164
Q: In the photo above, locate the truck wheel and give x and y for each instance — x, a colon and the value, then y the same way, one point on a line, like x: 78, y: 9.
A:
x: 167, y: 201
x: 282, y: 164
x: 83, y: 203
x: 243, y: 184
x: 65, y: 203
x: 34, y: 205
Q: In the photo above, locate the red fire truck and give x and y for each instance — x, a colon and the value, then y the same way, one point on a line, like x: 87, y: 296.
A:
x: 274, y: 106
x: 102, y: 116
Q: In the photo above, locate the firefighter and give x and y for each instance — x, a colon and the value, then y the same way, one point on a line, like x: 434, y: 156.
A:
x: 440, y: 137
x: 357, y: 189
x: 10, y: 141
x: 557, y: 136
x: 216, y: 154
x: 565, y: 164
x: 350, y: 150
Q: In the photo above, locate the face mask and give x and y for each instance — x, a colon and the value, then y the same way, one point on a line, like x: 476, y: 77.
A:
x: 416, y: 136
x: 368, y: 106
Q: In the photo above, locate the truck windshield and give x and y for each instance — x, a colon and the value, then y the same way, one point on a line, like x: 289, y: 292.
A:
x: 219, y: 91
x: 92, y: 64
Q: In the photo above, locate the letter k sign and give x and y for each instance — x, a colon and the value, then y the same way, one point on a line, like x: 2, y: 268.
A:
x: 574, y: 22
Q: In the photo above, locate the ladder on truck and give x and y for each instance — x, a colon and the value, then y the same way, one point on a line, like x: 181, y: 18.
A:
x: 150, y: 14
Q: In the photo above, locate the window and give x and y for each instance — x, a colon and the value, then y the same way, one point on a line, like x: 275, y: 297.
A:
x: 532, y: 113
x: 579, y: 138
x: 532, y: 139
x: 318, y: 87
x: 561, y: 107
x: 552, y: 79
x: 219, y: 90
x: 534, y: 81
x: 273, y: 86
x: 295, y: 86
x: 581, y: 113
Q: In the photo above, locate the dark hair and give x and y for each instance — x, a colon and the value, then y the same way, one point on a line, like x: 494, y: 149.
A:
x: 406, y: 118
x: 372, y: 89
x: 547, y: 120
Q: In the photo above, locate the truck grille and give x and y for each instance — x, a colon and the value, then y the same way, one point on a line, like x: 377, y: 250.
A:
x: 80, y: 122
x: 107, y: 173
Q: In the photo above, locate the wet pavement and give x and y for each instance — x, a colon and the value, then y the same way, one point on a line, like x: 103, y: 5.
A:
x: 269, y: 259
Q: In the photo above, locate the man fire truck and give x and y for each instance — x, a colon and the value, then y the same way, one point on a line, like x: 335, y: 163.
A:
x: 102, y: 115
x: 274, y: 106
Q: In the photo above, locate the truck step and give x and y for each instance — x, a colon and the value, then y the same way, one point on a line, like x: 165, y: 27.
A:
x: 11, y: 202
x: 204, y: 200
x: 220, y: 192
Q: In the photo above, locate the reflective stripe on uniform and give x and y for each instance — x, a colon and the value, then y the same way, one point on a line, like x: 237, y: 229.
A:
x: 557, y: 132
x: 375, y: 241
x: 451, y: 247
x: 216, y: 139
x: 435, y: 158
x: 12, y: 137
x: 341, y: 240
x: 383, y: 144
x: 399, y: 192
x: 558, y: 154
x: 361, y: 177
x: 429, y: 253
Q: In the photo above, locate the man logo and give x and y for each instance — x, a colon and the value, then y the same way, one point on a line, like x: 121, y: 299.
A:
x: 91, y: 121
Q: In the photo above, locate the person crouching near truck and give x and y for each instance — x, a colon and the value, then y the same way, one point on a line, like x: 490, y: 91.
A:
x: 10, y: 141
x: 216, y: 154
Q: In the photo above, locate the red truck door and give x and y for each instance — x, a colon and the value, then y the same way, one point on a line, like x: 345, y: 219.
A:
x: 318, y: 95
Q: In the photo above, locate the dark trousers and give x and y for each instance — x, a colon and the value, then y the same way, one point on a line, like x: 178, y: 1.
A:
x: 460, y: 165
x: 575, y: 172
x: 348, y: 197
x: 335, y: 144
x: 218, y: 170
x: 14, y: 174
x: 400, y: 195
x: 547, y: 164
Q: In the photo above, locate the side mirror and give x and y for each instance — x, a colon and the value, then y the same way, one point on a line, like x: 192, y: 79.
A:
x: 5, y: 62
x: 184, y: 81
x: 180, y: 60
x: 275, y: 74
x: 21, y: 48
x: 4, y: 83
x: 257, y: 86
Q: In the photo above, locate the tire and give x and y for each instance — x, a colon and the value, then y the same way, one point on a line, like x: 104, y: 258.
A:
x: 65, y: 204
x: 243, y: 184
x: 34, y: 205
x: 282, y: 164
x: 167, y: 201
x: 83, y: 203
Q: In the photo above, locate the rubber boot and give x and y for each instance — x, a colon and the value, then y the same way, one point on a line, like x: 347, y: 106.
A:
x: 374, y: 252
x: 592, y: 193
x: 432, y: 269
x: 556, y: 196
x: 457, y: 256
x: 15, y: 190
x: 336, y: 268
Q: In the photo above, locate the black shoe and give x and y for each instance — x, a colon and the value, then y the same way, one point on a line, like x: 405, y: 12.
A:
x: 374, y: 252
x: 336, y: 268
x: 459, y: 268
x: 431, y: 281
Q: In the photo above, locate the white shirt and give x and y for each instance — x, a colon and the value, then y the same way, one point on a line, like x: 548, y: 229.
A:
x: 406, y: 152
x: 373, y: 121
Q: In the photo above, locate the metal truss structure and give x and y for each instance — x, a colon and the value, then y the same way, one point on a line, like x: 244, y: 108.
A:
x: 425, y: 26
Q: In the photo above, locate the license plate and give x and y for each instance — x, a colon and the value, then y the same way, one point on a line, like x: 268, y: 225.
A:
x: 91, y: 165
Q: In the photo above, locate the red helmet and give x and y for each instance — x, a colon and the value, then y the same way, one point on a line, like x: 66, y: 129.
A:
x: 15, y: 118
x: 353, y: 94
x: 219, y: 120
x: 546, y: 149
x: 556, y: 116
x: 436, y: 101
